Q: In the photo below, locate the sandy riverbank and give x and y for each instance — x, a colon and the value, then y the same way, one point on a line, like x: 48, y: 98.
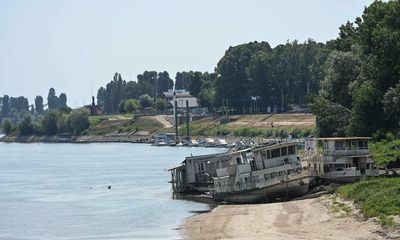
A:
x: 304, y: 219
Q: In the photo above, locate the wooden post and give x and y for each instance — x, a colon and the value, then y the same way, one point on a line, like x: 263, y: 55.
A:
x: 187, y: 120
x: 176, y: 121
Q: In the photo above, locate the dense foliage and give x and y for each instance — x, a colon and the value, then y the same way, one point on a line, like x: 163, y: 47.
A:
x: 362, y: 73
x: 151, y: 83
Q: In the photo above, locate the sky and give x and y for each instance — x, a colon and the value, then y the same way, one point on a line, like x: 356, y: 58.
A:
x: 76, y: 46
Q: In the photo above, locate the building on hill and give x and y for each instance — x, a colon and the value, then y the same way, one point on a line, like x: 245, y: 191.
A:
x: 181, y: 97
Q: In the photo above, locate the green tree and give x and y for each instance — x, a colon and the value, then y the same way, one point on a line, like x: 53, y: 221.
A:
x: 62, y: 101
x: 19, y: 103
x: 132, y: 105
x: 367, y: 111
x: 160, y: 104
x: 5, y: 108
x: 50, y: 122
x: 232, y: 84
x: 78, y: 121
x: 39, y: 104
x: 121, y: 107
x: 164, y: 83
x: 101, y: 96
x: 25, y: 126
x: 391, y: 105
x: 7, y: 125
x: 332, y: 118
x: 145, y: 101
x: 343, y: 69
x: 52, y: 99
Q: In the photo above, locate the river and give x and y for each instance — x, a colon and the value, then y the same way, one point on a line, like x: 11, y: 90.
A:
x: 60, y: 191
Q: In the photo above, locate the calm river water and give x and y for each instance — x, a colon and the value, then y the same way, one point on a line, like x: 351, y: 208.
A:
x: 60, y: 191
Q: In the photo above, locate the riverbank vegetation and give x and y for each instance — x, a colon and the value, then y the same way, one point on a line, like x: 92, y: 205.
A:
x: 376, y: 198
x: 259, y: 126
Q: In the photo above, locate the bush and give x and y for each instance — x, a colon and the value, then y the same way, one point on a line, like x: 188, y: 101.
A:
x: 145, y: 101
x: 7, y: 125
x: 26, y: 126
x: 160, y: 104
x: 49, y: 122
x: 131, y: 105
x: 78, y: 120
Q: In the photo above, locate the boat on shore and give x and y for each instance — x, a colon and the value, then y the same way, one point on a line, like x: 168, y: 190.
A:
x: 261, y: 174
x: 340, y: 159
x: 246, y: 175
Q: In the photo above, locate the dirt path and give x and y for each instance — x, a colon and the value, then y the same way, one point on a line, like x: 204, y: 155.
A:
x: 305, y: 219
x: 162, y: 119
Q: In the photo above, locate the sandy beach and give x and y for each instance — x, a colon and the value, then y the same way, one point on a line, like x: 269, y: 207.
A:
x: 304, y: 219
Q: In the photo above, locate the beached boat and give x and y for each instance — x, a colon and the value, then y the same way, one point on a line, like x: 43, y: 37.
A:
x: 340, y: 159
x: 263, y: 174
x: 246, y: 175
x: 194, y: 174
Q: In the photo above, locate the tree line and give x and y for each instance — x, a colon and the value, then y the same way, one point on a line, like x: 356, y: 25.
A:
x: 18, y: 116
x: 152, y: 84
x: 360, y: 91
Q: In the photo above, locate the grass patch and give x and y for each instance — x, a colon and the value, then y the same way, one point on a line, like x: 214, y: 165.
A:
x: 378, y: 197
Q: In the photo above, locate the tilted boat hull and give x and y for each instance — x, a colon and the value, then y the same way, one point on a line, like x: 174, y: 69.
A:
x: 278, y: 192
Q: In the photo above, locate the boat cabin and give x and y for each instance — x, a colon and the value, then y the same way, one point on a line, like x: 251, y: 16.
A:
x: 195, y: 173
x: 257, y: 167
x: 343, y: 159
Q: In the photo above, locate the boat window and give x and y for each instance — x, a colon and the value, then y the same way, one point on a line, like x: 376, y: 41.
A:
x: 286, y: 161
x: 276, y: 153
x: 239, y: 160
x: 365, y: 144
x: 282, y: 174
x: 268, y: 154
x: 266, y: 177
x: 291, y: 150
x: 284, y: 151
x: 360, y: 145
x: 353, y: 145
x: 263, y: 155
x: 339, y: 145
x: 340, y: 167
x: 348, y: 145
x: 200, y: 166
x: 274, y: 175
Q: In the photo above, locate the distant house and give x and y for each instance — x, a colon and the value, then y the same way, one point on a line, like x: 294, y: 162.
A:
x: 181, y: 97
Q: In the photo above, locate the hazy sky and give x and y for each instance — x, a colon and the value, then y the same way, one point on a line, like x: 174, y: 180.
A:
x: 73, y: 44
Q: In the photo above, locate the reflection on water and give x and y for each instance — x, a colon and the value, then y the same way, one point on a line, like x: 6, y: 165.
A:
x: 60, y: 191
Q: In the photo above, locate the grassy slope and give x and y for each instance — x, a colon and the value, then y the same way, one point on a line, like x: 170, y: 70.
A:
x: 279, y: 125
x: 239, y: 126
x: 379, y: 197
x: 116, y: 123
